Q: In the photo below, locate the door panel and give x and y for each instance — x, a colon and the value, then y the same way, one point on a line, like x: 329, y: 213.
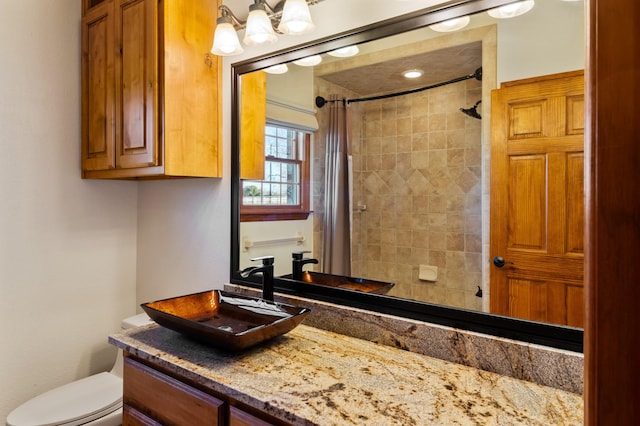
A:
x: 527, y: 221
x: 537, y: 199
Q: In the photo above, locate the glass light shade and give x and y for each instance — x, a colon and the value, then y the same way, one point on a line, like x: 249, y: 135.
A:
x: 296, y: 18
x: 412, y: 73
x: 454, y: 24
x: 259, y: 29
x: 277, y: 69
x: 511, y: 10
x: 345, y: 52
x: 309, y: 61
x: 225, y: 39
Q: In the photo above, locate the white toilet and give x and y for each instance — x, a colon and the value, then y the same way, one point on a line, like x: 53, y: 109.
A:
x: 95, y: 400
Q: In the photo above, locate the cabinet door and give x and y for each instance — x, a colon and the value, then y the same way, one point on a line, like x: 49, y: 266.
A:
x: 137, y: 84
x: 167, y: 400
x: 98, y: 103
x: 253, y: 118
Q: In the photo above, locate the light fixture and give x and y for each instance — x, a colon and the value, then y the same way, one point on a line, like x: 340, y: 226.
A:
x: 225, y: 39
x: 277, y: 69
x: 345, y: 52
x: 259, y: 29
x: 309, y: 61
x: 511, y: 10
x: 296, y: 18
x: 412, y: 73
x: 288, y: 16
x: 454, y: 24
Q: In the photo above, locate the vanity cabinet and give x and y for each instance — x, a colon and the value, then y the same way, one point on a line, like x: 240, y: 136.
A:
x: 153, y: 397
x: 150, y: 89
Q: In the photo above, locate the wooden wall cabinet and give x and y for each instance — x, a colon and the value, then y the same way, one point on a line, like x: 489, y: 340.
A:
x: 153, y: 397
x: 150, y: 89
x: 253, y: 118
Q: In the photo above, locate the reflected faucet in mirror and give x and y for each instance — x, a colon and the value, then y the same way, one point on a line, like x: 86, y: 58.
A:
x: 266, y: 269
x: 297, y: 263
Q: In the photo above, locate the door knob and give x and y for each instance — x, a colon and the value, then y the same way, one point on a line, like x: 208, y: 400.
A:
x: 499, y: 261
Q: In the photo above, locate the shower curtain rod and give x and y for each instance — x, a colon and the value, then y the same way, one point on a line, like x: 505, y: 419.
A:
x: 320, y: 101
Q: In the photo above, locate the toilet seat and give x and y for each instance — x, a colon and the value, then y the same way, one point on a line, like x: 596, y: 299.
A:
x: 73, y: 404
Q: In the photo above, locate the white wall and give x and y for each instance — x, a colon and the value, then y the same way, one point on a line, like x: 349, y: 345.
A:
x: 183, y: 236
x: 67, y: 246
x: 524, y: 51
x: 264, y: 231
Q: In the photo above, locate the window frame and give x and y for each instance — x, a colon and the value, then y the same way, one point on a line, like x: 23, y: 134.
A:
x: 265, y: 213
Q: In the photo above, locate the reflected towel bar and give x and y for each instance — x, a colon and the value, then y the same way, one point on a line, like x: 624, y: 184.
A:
x: 247, y: 243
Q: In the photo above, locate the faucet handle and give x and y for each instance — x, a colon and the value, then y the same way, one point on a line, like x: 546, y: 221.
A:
x: 266, y: 260
x: 298, y: 255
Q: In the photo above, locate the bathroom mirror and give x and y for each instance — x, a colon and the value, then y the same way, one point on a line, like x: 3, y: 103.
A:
x: 487, y: 44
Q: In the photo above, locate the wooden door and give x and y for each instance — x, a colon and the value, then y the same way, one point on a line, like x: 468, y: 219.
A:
x: 98, y: 80
x: 537, y: 199
x: 137, y: 84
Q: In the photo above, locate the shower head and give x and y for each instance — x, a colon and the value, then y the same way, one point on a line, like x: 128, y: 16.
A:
x: 472, y: 111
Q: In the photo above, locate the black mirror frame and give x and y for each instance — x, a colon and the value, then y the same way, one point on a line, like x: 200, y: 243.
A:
x: 560, y: 337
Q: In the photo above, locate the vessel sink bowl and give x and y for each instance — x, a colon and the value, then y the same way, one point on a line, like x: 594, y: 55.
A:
x: 225, y: 320
x: 341, y: 281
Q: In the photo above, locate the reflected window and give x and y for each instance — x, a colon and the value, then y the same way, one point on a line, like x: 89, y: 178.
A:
x: 283, y: 194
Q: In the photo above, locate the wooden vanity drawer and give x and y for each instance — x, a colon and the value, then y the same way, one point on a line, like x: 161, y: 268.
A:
x: 167, y: 400
x: 133, y: 417
x: 237, y: 417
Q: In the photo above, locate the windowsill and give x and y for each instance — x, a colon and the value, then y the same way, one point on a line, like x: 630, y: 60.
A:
x: 267, y: 216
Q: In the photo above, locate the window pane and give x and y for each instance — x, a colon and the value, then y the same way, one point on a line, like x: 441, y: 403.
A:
x: 293, y: 194
x: 252, y: 192
x: 281, y: 185
x: 281, y: 143
x: 292, y: 172
x: 270, y: 146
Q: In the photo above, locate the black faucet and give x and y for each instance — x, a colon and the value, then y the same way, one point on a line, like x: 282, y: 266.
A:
x: 267, y: 275
x: 297, y: 262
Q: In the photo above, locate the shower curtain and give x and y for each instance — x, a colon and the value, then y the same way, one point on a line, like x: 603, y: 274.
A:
x: 336, y: 242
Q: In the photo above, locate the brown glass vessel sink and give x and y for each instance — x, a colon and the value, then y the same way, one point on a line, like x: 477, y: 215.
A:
x: 226, y: 320
x: 340, y: 281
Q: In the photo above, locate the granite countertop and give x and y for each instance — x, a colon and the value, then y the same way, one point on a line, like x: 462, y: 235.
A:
x: 312, y: 376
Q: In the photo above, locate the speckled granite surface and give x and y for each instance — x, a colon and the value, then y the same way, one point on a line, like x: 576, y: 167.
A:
x: 538, y: 364
x: 312, y: 376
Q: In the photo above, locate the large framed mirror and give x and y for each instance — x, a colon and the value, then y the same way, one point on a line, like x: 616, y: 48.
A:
x: 419, y: 171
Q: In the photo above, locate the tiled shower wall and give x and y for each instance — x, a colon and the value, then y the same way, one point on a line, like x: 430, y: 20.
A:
x: 420, y: 182
x: 417, y: 183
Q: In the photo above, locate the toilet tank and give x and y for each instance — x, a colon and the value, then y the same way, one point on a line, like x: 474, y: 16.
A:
x: 136, y: 321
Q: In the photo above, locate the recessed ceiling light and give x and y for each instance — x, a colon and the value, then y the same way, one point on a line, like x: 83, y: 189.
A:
x: 454, y: 24
x: 309, y: 61
x: 511, y: 10
x: 277, y: 69
x: 345, y: 52
x: 412, y: 73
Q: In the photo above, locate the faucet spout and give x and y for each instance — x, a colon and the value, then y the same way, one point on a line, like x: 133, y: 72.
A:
x: 266, y: 270
x: 297, y: 263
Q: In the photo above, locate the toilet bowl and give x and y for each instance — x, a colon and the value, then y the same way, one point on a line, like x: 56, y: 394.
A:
x: 95, y: 400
